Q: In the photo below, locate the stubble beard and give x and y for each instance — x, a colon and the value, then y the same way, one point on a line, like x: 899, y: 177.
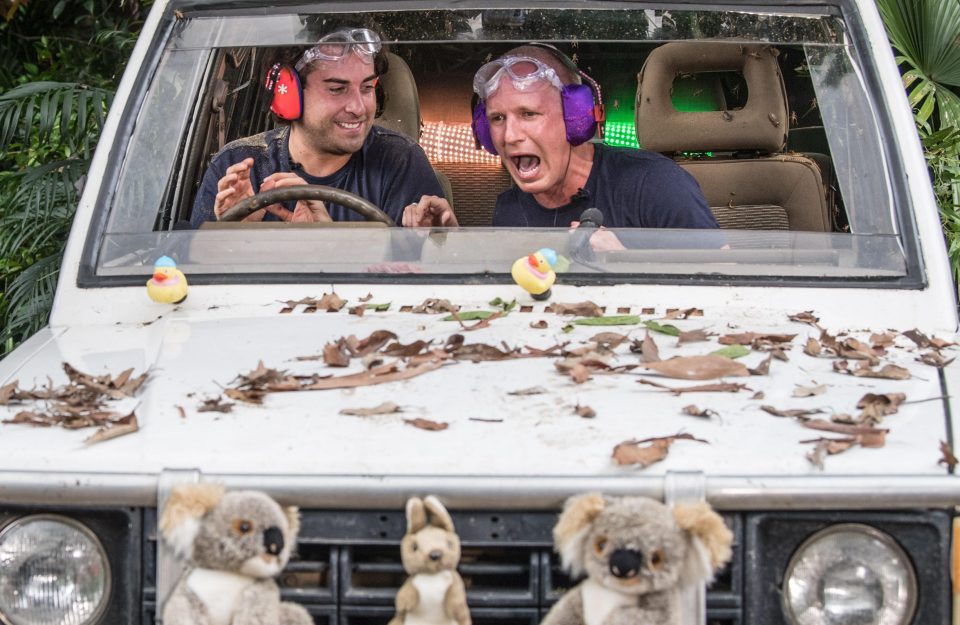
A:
x: 322, y: 138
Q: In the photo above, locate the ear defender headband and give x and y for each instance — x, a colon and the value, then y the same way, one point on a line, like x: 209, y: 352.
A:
x: 583, y: 113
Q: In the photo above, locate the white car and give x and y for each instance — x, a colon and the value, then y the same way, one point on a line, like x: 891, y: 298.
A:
x: 824, y: 437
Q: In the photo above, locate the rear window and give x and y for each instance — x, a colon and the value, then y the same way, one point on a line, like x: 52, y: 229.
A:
x: 790, y: 187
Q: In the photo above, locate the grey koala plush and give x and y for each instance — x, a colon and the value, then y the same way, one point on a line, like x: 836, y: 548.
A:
x: 235, y: 543
x: 636, y: 553
x: 434, y: 593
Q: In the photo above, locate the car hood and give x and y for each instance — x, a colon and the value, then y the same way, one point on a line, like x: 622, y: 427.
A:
x: 512, y: 417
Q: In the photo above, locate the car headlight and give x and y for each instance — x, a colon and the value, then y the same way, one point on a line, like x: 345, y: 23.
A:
x: 53, y: 571
x: 849, y: 574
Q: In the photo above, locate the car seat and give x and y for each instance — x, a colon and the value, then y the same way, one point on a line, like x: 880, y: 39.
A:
x: 401, y: 108
x: 737, y: 155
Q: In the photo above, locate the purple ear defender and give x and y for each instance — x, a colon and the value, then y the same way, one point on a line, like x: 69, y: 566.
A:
x: 578, y: 117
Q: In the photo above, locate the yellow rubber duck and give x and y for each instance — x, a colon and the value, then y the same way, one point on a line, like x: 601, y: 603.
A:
x: 534, y: 273
x: 168, y: 285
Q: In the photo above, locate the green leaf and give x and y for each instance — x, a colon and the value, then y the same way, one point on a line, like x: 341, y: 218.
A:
x: 732, y: 351
x: 567, y: 329
x: 662, y: 328
x: 471, y: 315
x: 58, y: 9
x: 614, y: 320
x: 506, y: 306
x: 378, y: 307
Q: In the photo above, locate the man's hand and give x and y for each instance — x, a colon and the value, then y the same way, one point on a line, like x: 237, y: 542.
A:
x: 305, y: 210
x: 234, y: 187
x: 429, y: 211
x: 602, y: 240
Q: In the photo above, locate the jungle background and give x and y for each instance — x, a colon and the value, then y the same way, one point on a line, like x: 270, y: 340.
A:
x: 61, y: 61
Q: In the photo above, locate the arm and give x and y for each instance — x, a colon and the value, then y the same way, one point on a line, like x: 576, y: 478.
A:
x: 455, y: 601
x: 407, y: 599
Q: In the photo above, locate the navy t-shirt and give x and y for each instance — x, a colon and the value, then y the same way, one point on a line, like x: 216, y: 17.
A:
x: 632, y: 188
x: 389, y: 170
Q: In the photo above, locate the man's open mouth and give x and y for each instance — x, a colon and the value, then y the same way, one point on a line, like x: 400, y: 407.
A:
x: 349, y: 125
x: 526, y: 164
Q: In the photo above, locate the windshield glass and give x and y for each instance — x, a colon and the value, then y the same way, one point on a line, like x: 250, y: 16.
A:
x: 772, y: 137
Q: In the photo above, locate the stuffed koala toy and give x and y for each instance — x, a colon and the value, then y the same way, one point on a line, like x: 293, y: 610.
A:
x: 434, y: 593
x: 235, y: 543
x: 636, y: 553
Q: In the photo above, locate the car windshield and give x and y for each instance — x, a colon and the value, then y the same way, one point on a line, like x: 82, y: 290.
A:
x: 804, y: 205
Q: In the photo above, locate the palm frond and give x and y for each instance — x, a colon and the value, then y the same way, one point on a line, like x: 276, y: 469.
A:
x: 925, y: 33
x: 45, y: 201
x: 62, y: 113
x: 29, y: 298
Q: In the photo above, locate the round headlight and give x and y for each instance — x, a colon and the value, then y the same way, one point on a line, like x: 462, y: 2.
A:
x: 849, y: 574
x: 53, y: 571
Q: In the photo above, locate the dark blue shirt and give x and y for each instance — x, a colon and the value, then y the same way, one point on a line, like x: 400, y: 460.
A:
x: 632, y: 188
x: 389, y: 170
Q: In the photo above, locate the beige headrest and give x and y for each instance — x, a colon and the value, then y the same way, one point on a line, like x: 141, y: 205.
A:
x: 762, y: 124
x: 401, y: 105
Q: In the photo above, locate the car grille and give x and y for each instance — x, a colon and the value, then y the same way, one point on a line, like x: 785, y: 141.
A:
x: 347, y: 568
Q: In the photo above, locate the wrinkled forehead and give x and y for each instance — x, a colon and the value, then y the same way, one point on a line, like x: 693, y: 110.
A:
x: 537, y: 95
x: 351, y: 69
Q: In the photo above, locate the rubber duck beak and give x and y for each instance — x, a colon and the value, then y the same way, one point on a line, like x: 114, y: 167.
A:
x: 159, y: 276
x: 532, y: 261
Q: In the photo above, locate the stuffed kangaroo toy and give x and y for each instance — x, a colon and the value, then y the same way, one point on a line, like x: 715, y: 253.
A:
x: 434, y: 593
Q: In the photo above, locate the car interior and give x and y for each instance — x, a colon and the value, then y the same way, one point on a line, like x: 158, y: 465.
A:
x: 762, y: 163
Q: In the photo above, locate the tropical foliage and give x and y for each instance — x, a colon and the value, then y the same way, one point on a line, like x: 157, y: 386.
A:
x: 924, y: 35
x: 57, y: 76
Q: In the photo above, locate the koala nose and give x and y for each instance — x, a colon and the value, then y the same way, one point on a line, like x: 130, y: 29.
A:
x: 625, y: 563
x: 273, y: 540
x: 436, y: 554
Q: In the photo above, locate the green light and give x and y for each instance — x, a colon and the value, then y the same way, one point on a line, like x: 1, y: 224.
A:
x: 620, y: 134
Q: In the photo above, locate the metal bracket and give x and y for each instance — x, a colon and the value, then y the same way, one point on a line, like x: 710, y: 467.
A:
x: 169, y: 566
x: 688, y: 486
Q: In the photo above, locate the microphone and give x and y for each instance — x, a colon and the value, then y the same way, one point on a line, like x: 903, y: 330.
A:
x: 590, y: 220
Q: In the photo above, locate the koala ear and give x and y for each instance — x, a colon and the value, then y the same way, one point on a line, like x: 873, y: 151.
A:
x: 710, y: 541
x: 438, y: 514
x: 573, y: 527
x: 293, y: 519
x: 180, y: 521
x: 416, y: 515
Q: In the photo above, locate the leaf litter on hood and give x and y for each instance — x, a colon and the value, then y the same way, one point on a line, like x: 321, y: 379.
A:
x: 585, y: 412
x: 580, y: 309
x: 433, y: 306
x: 946, y: 456
x: 613, y: 320
x: 427, y: 424
x: 806, y: 317
x: 886, y: 372
x: 720, y: 387
x: 685, y: 313
x: 662, y: 328
x: 113, y: 429
x: 647, y: 348
x: 732, y: 351
x: 533, y: 390
x: 695, y: 411
x: 215, y: 404
x: 809, y: 391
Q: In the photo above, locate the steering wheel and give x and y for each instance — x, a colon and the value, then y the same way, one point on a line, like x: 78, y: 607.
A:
x: 307, y: 192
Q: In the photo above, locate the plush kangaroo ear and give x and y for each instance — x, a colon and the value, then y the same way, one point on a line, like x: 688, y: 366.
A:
x: 293, y: 519
x: 416, y: 515
x: 180, y: 521
x: 573, y: 527
x: 438, y: 514
x: 710, y: 541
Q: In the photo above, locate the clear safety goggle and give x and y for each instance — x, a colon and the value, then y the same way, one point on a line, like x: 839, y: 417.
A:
x: 338, y: 44
x: 524, y: 72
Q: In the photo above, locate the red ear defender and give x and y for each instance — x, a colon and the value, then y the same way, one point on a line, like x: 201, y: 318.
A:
x: 284, y: 83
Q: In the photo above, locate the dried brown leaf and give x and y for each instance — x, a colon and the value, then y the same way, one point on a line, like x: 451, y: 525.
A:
x: 683, y: 314
x: 427, y: 424
x: 946, y: 456
x: 720, y: 387
x: 399, y: 350
x: 377, y: 375
x: 844, y: 428
x: 649, y: 352
x: 246, y: 396
x: 883, y: 340
x: 539, y: 325
x: 579, y: 373
x: 806, y: 317
x: 764, y: 367
x: 809, y: 391
x: 693, y: 336
x: 533, y: 390
x: 387, y: 407
x: 433, y: 306
x: 335, y: 355
x: 934, y: 359
x: 695, y: 411
x: 366, y: 298
x: 793, y: 412
x: 479, y: 325
x: 119, y: 427
x: 585, y: 412
x: 758, y: 395
x: 370, y: 344
x: 749, y: 338
x: 215, y: 404
x: 647, y: 451
x: 580, y: 309
x: 331, y: 302
x: 358, y: 310
x: 698, y: 367
x: 918, y: 337
x: 609, y: 340
x: 812, y: 347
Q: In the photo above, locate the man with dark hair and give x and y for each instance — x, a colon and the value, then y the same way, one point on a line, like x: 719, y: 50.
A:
x: 538, y: 116
x: 331, y: 140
